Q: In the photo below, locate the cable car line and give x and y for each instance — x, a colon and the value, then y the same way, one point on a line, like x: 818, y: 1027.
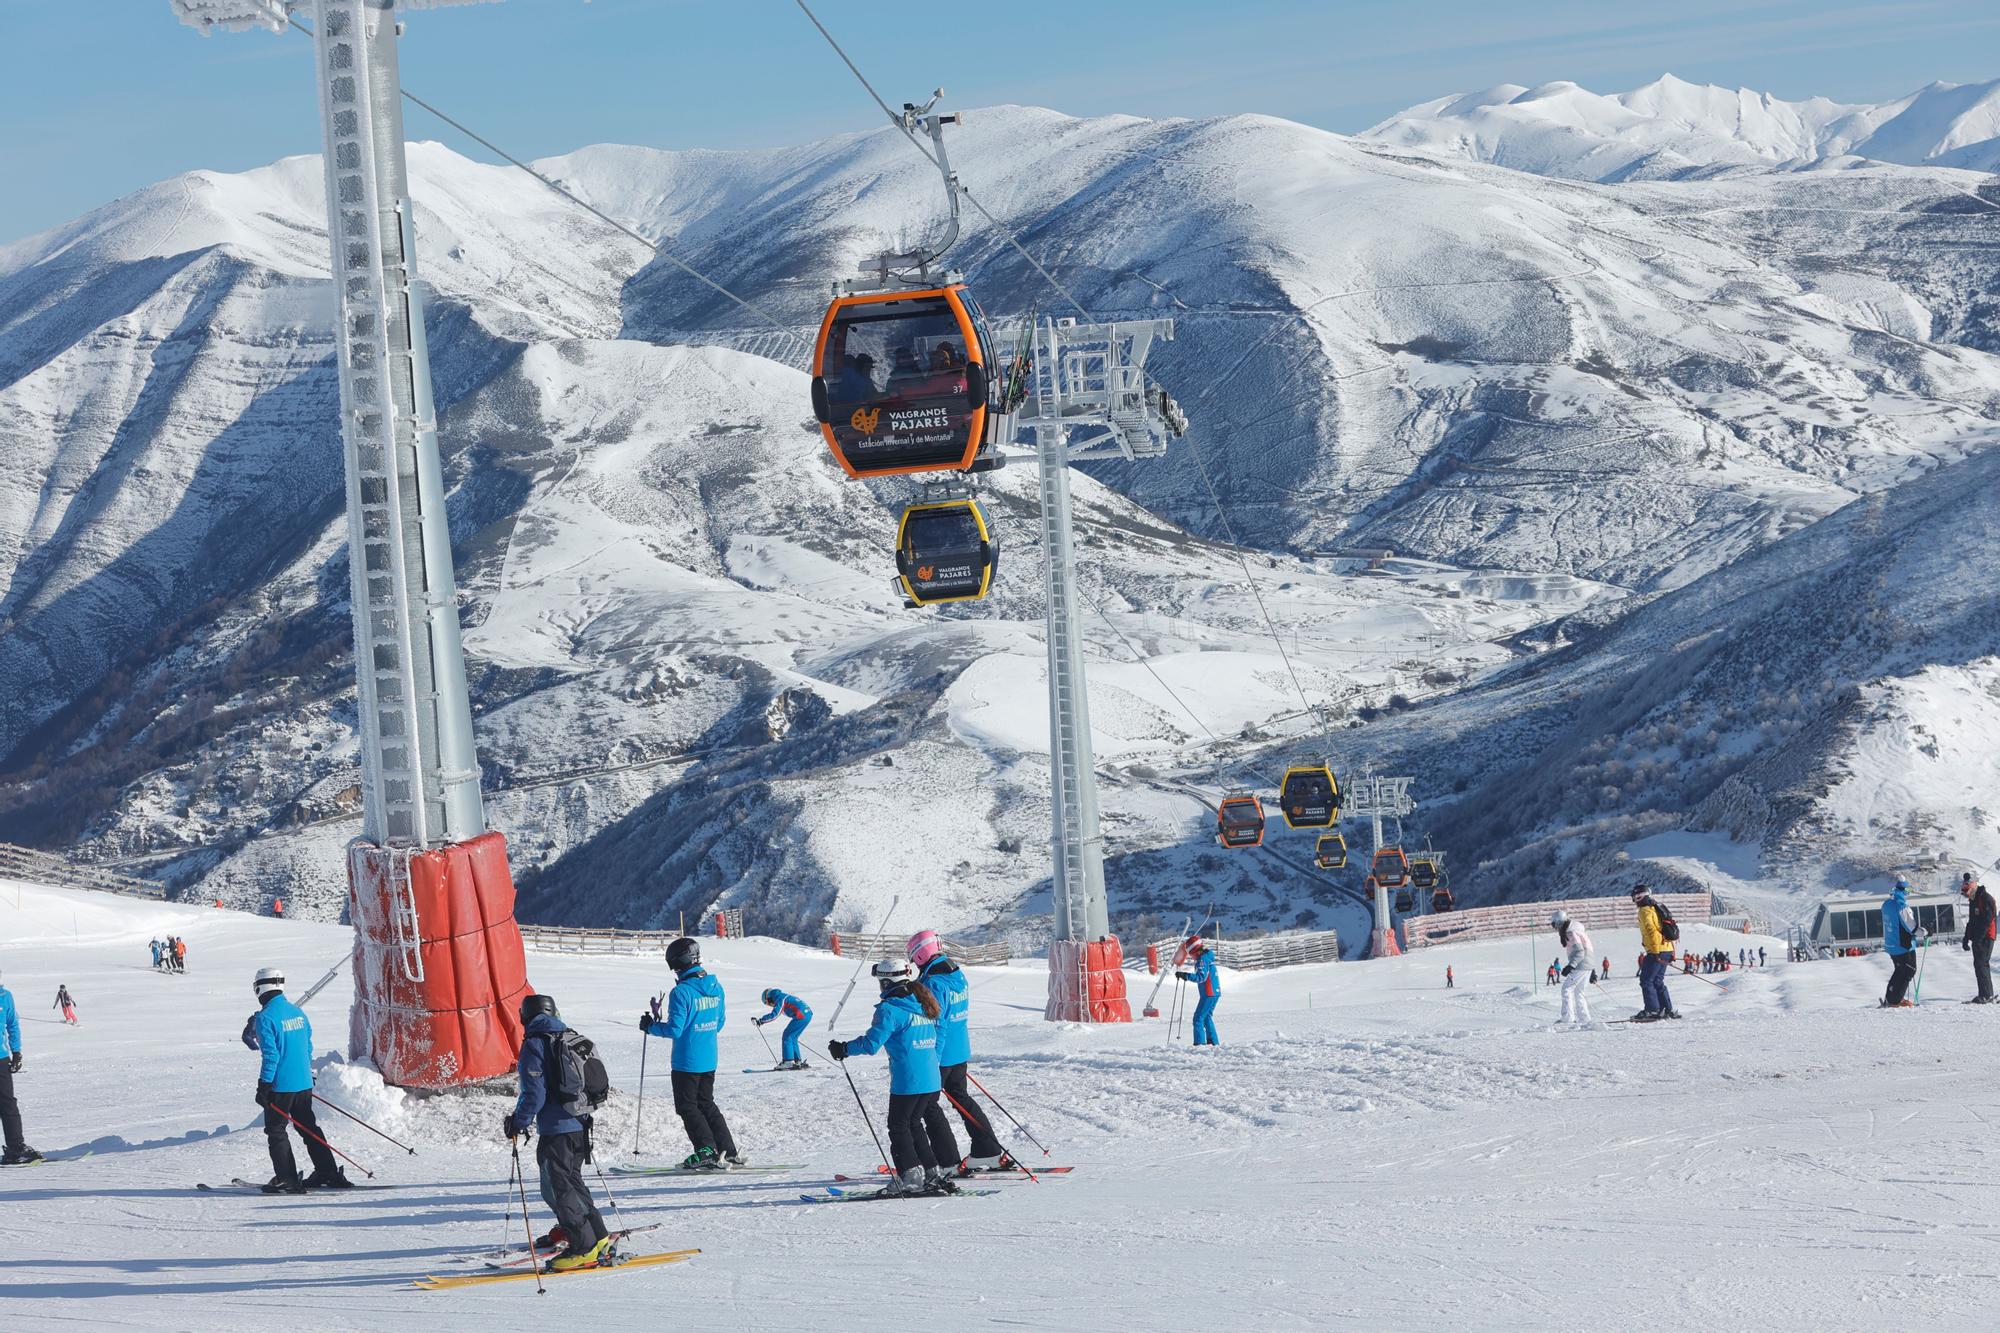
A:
x: 596, y: 212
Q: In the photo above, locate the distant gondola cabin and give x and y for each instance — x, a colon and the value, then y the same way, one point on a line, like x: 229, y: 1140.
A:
x: 1239, y: 821
x: 1391, y: 868
x: 1330, y: 852
x: 945, y: 552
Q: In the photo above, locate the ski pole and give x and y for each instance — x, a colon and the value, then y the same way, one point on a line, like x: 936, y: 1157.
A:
x: 591, y: 1157
x: 968, y: 1117
x: 364, y: 1124
x: 639, y: 1116
x: 881, y: 927
x: 767, y: 1043
x: 324, y: 1144
x: 864, y: 1113
x: 521, y: 1183
x: 1009, y: 1114
x: 1922, y: 950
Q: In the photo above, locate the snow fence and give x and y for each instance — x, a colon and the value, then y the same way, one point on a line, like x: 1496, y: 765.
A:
x: 1485, y: 923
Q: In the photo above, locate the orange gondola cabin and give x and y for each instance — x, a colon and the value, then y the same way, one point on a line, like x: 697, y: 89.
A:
x: 1239, y: 820
x: 1391, y: 868
x: 901, y: 382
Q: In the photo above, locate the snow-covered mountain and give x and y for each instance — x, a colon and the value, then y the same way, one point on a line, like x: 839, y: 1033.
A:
x: 1671, y: 130
x: 1557, y: 399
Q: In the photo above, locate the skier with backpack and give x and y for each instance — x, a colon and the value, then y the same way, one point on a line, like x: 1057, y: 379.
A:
x: 695, y: 1015
x: 1577, y: 970
x: 285, y: 1090
x: 1658, y: 933
x: 905, y: 1026
x: 1208, y: 985
x: 1901, y: 938
x: 66, y: 1004
x: 946, y: 983
x: 559, y: 1090
x: 799, y: 1016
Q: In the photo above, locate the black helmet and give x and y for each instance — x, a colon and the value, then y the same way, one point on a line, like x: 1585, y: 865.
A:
x: 683, y: 954
x: 532, y: 1006
x: 771, y: 996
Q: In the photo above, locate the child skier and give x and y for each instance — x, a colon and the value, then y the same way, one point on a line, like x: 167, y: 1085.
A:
x: 1576, y: 969
x: 66, y: 1004
x: 1208, y: 984
x: 905, y: 1026
x: 946, y: 983
x: 694, y: 1019
x: 800, y: 1016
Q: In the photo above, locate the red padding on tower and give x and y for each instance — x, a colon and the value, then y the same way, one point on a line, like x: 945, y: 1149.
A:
x: 437, y: 997
x: 1087, y: 982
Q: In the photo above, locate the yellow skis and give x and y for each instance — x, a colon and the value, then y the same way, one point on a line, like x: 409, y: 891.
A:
x: 433, y: 1283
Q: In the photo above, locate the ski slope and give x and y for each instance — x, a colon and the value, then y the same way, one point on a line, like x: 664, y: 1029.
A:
x: 1366, y: 1150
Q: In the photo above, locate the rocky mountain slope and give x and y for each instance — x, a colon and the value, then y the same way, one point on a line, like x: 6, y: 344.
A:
x: 1560, y: 399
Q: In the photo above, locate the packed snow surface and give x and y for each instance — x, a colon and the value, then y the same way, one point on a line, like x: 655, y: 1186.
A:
x: 1367, y: 1149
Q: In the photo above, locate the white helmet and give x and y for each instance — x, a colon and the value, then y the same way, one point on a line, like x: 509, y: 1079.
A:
x: 893, y: 970
x: 270, y: 980
x: 1559, y: 918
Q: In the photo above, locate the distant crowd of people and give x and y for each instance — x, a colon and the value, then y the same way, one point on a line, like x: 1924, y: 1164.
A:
x: 169, y: 954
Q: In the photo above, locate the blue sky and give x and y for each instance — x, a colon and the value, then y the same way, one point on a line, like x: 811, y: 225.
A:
x: 98, y: 97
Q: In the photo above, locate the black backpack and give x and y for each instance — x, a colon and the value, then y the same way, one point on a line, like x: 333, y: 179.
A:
x: 1669, y: 930
x: 578, y: 1081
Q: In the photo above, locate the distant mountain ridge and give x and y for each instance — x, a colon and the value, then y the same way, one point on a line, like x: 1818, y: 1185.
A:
x: 1670, y: 129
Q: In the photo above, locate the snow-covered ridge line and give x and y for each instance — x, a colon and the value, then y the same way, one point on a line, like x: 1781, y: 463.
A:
x: 1671, y: 129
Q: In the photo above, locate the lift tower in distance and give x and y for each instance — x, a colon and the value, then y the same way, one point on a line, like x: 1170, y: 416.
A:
x: 438, y: 968
x: 1088, y: 399
x: 1376, y: 798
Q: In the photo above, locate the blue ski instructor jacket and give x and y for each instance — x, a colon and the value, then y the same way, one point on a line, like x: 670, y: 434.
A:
x: 942, y: 977
x: 285, y: 1038
x: 911, y: 1039
x: 10, y: 1025
x: 694, y: 1019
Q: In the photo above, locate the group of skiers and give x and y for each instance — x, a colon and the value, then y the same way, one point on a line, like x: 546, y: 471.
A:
x: 169, y: 954
x: 920, y: 1022
x: 1903, y: 936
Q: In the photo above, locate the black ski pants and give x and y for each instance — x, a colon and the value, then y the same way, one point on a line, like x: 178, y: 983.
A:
x: 911, y: 1118
x: 10, y: 1110
x: 971, y: 1112
x: 694, y: 1102
x: 1902, y: 967
x: 561, y: 1158
x: 1982, y: 966
x: 299, y: 1106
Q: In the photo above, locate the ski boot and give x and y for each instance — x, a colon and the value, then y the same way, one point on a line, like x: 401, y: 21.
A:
x: 571, y: 1259
x: 329, y: 1180
x: 21, y: 1156
x: 735, y: 1159
x: 556, y: 1239
x: 937, y: 1182
x: 283, y: 1185
x: 701, y: 1159
x: 1670, y: 1013
x: 986, y: 1166
x: 910, y: 1182
x: 1647, y: 1016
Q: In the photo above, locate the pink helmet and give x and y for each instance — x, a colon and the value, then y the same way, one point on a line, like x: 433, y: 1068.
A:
x: 924, y: 946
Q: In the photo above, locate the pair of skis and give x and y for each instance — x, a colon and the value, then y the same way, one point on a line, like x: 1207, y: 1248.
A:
x: 613, y: 1263
x: 241, y: 1186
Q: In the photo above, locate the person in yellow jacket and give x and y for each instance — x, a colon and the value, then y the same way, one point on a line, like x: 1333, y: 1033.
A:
x: 1659, y: 952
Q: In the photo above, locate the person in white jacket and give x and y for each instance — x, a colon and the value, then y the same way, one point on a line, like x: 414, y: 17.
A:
x: 1579, y: 961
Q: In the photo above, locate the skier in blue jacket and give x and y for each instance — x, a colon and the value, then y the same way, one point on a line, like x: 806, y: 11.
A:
x: 1208, y: 985
x: 1901, y: 938
x: 694, y: 1019
x: 18, y: 1152
x: 561, y: 1116
x: 946, y: 983
x: 284, y: 1090
x: 905, y: 1027
x: 799, y: 1015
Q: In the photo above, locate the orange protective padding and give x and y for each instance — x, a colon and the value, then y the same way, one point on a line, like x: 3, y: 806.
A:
x: 1097, y: 970
x: 1153, y: 959
x: 441, y: 1010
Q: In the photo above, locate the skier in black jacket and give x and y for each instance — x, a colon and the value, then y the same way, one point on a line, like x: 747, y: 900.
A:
x: 1979, y: 932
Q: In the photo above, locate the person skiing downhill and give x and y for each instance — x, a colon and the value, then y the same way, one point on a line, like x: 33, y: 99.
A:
x: 560, y: 1115
x: 695, y: 1015
x: 946, y: 983
x: 180, y: 954
x: 159, y: 952
x: 18, y: 1153
x: 905, y: 1026
x: 1658, y: 952
x: 1979, y: 933
x: 1577, y: 969
x: 1208, y: 985
x: 799, y: 1015
x: 1901, y: 938
x: 1447, y: 976
x: 284, y: 1090
x: 66, y: 1004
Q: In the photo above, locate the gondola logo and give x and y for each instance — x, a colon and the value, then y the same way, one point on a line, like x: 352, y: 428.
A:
x: 865, y: 419
x: 926, y: 572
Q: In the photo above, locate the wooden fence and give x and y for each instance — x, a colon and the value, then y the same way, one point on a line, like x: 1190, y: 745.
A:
x: 1485, y: 923
x: 582, y: 939
x: 854, y: 944
x: 1318, y: 946
x: 24, y: 863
